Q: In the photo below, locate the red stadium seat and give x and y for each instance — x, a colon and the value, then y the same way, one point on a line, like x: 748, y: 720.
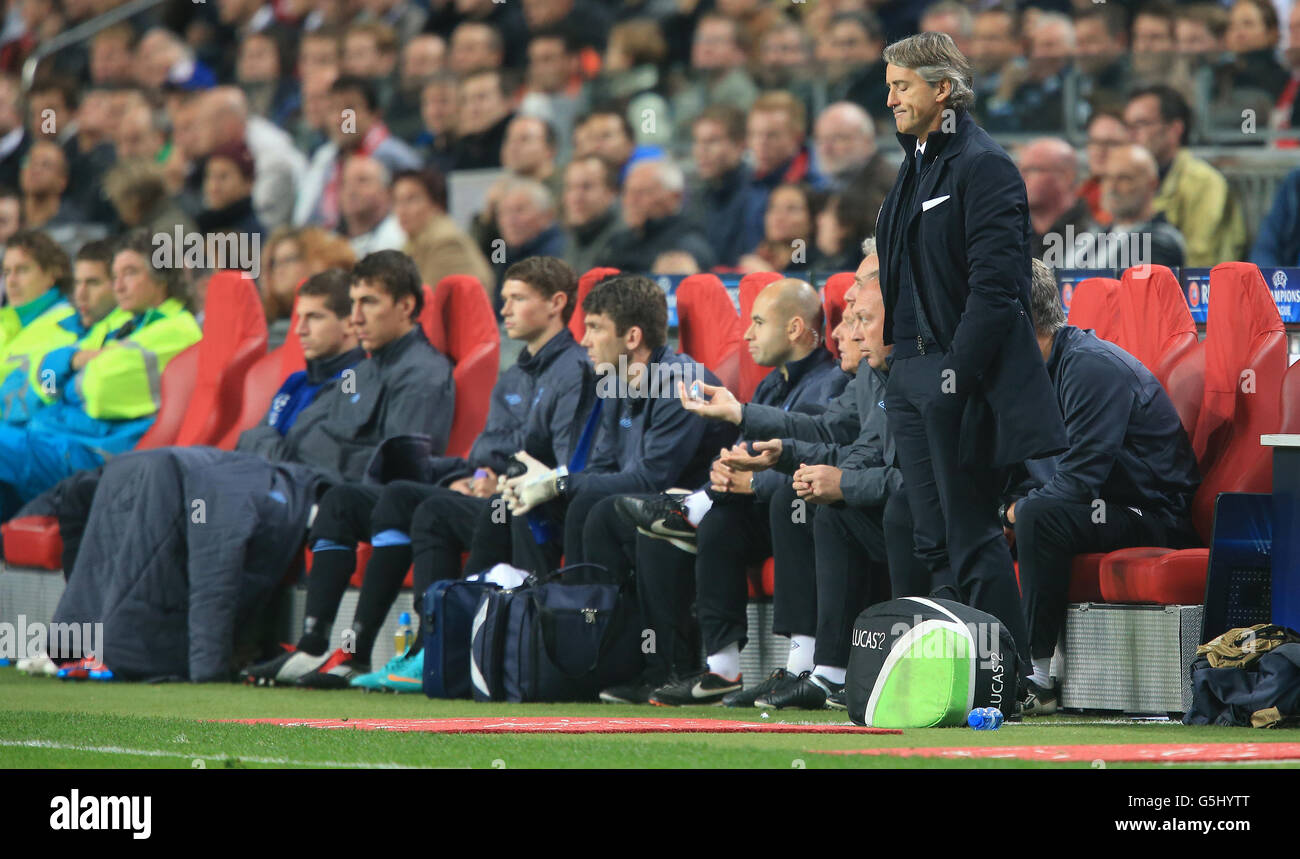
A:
x: 467, y: 327
x: 585, y: 283
x: 750, y: 373
x: 1096, y: 305
x: 1290, y: 420
x: 837, y: 286
x: 708, y: 328
x: 1155, y: 325
x: 261, y: 382
x: 178, y: 381
x: 1185, y: 385
x: 1245, y: 353
x: 33, y: 541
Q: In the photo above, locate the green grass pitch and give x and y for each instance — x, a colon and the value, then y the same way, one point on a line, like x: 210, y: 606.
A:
x: 46, y: 723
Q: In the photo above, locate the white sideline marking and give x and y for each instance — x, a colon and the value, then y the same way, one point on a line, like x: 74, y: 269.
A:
x: 158, y: 753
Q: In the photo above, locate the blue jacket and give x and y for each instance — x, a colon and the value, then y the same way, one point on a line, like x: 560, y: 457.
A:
x: 300, y: 389
x: 852, y: 435
x: 1278, y: 243
x: 649, y: 443
x: 966, y: 255
x: 1127, y: 443
x: 808, y: 387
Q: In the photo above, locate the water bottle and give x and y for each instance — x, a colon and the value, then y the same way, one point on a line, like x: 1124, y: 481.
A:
x: 985, y: 719
x: 405, y: 635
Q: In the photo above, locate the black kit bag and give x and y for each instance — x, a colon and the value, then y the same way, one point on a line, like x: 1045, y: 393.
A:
x: 919, y: 662
x: 561, y: 637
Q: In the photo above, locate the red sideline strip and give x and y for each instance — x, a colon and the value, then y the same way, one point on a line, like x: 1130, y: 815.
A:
x: 537, y: 725
x: 1133, y: 752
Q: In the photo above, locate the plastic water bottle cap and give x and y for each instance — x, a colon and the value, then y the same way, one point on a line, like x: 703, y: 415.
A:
x: 975, y: 719
x: 405, y: 618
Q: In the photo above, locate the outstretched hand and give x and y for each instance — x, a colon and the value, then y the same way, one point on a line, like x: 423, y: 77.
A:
x: 716, y: 402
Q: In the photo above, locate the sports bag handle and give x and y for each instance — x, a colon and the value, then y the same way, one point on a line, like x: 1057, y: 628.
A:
x: 567, y: 576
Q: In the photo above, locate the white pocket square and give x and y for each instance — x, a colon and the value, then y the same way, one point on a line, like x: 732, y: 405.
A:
x: 930, y: 204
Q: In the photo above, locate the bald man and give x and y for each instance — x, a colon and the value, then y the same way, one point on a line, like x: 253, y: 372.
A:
x: 1138, y: 234
x: 844, y: 139
x: 740, y: 517
x: 1050, y: 169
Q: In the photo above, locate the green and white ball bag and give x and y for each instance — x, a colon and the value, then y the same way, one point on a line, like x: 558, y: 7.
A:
x: 919, y: 662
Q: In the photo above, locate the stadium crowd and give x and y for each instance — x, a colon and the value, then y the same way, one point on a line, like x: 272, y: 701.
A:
x: 330, y: 147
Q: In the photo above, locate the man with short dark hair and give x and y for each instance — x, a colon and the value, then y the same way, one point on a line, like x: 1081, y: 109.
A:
x: 590, y: 208
x: 535, y: 406
x: 1127, y: 479
x: 1193, y: 196
x: 481, y: 120
x: 654, y: 221
x: 640, y: 438
x: 718, y: 196
x: 606, y: 133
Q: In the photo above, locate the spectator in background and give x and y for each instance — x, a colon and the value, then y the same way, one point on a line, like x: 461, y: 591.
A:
x: 1154, y: 58
x: 1284, y: 115
x: 652, y: 212
x: 675, y: 263
x: 529, y: 151
x: 260, y: 72
x: 370, y: 53
x: 11, y: 213
x: 607, y: 134
x: 438, y: 119
x: 162, y: 57
x: 14, y: 139
x: 422, y: 57
x: 994, y: 48
x: 279, y: 166
x: 789, y: 232
x: 843, y: 221
x: 844, y: 140
x: 318, y: 67
x: 553, y: 83
x: 481, y: 119
x: 112, y: 52
x: 438, y: 246
x: 718, y: 75
x: 1106, y: 130
x: 774, y: 132
x: 44, y: 181
x: 52, y: 109
x: 1050, y: 171
x: 630, y: 79
x: 591, y: 214
x: 366, y: 206
x: 405, y: 18
x: 1139, y: 234
x: 138, y: 192
x: 1251, y: 74
x: 38, y: 21
x: 1199, y: 30
x: 951, y: 17
x: 475, y: 47
x: 228, y: 192
x: 1030, y: 97
x: 850, y: 53
x: 354, y: 129
x: 1278, y: 242
x: 529, y: 227
x: 785, y: 54
x: 718, y: 197
x: 1193, y: 196
x: 588, y: 20
x: 1101, y: 54
x: 292, y: 255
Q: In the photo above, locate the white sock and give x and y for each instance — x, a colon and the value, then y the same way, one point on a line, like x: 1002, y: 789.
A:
x: 697, y: 504
x: 828, y: 672
x: 726, y: 662
x: 801, y: 654
x: 1043, y: 672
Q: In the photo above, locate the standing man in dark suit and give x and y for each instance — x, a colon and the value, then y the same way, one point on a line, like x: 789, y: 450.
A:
x: 968, y: 391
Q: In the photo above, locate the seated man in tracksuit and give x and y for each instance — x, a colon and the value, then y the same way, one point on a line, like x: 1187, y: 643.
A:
x: 637, y: 439
x: 535, y: 406
x: 329, y: 346
x: 105, y: 397
x: 1127, y: 478
x: 37, y: 319
x: 786, y: 321
x: 29, y: 388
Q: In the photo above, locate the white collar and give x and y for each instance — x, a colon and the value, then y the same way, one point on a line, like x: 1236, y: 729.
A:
x: 920, y: 147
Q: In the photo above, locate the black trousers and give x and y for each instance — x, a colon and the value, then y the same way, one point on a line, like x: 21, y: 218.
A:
x: 955, y: 524
x: 738, y: 533
x: 665, y: 587
x: 851, y: 574
x: 566, y: 519
x: 1049, y: 533
x: 444, y: 524
x: 908, y: 577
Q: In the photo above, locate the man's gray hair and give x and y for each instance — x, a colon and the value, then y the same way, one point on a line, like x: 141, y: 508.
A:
x: 669, y: 176
x: 934, y: 56
x: 868, y: 246
x: 1045, y: 300
x: 540, y: 195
